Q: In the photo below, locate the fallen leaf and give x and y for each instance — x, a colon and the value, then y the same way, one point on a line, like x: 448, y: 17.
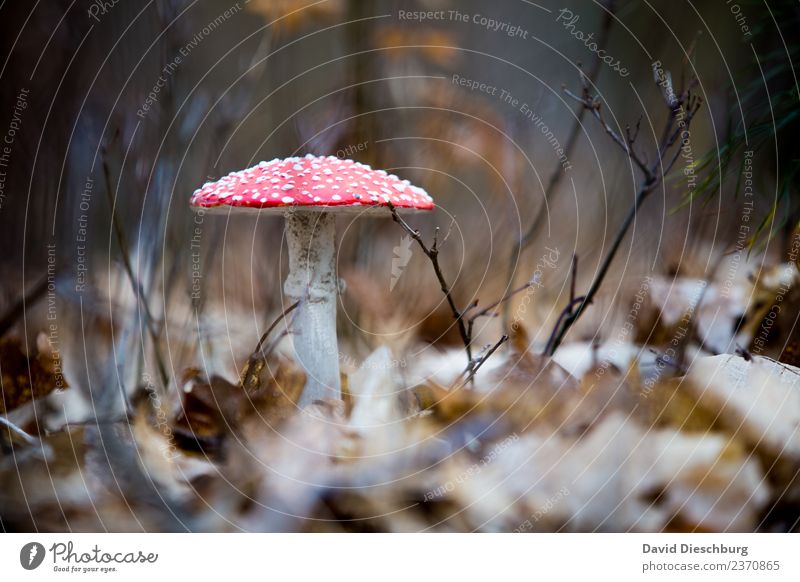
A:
x: 759, y: 398
x: 26, y: 378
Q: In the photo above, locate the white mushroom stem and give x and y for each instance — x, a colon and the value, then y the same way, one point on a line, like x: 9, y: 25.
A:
x: 312, y: 280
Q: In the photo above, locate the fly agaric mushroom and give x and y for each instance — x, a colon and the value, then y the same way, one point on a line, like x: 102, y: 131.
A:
x: 309, y: 192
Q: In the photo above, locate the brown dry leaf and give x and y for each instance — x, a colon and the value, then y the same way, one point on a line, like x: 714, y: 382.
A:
x: 770, y: 323
x: 523, y: 391
x: 207, y: 411
x: 619, y: 477
x: 760, y: 399
x: 212, y: 409
x: 48, y: 493
x: 607, y: 390
x: 791, y: 354
x: 275, y: 395
x: 515, y: 385
x: 288, y: 468
x: 157, y: 451
x: 27, y: 378
x: 671, y: 402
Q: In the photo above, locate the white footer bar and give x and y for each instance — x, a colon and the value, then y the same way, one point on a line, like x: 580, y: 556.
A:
x: 401, y: 557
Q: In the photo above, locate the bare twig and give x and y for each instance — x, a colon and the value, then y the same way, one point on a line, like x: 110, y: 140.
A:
x: 558, y: 173
x: 476, y: 364
x: 465, y: 324
x: 485, y: 311
x: 17, y: 430
x: 744, y: 352
x: 592, y: 104
x: 432, y: 253
x: 259, y: 355
x: 574, y: 278
x: 488, y: 311
x: 569, y: 319
x: 566, y: 313
x: 122, y: 241
x: 274, y: 324
x: 681, y: 113
x: 569, y: 309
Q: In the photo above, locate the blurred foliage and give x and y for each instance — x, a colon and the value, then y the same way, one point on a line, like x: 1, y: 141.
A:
x: 765, y: 118
x: 408, y: 448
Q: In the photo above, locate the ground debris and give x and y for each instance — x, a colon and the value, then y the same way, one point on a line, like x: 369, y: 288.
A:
x: 27, y: 377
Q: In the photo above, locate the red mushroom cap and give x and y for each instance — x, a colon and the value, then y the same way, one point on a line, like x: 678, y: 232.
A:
x: 311, y: 181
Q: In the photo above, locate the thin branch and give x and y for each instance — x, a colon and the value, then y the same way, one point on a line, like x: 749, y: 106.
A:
x: 562, y: 326
x: 632, y: 137
x: 567, y: 312
x: 274, y: 324
x: 122, y: 241
x: 432, y: 253
x: 488, y: 311
x: 476, y: 364
x: 449, y: 231
x: 573, y: 282
x: 465, y: 325
x: 17, y: 430
x: 557, y: 175
x: 595, y: 107
x: 258, y: 357
x: 682, y: 110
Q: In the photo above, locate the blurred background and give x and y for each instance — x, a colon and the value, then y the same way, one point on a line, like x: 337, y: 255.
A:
x: 115, y: 112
